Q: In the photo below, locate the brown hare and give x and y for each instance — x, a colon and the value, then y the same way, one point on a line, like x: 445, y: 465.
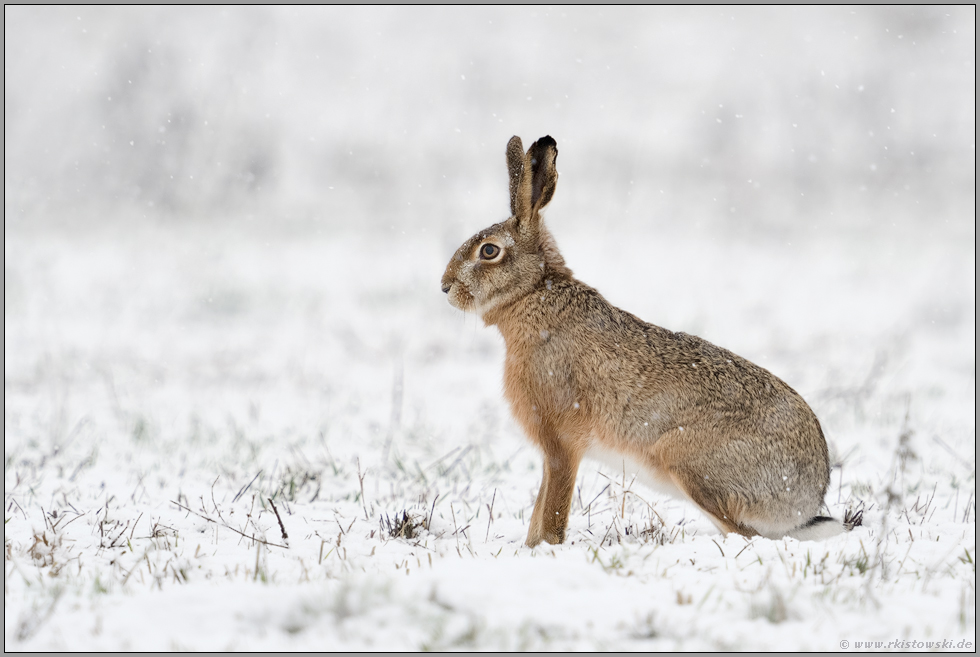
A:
x: 585, y: 378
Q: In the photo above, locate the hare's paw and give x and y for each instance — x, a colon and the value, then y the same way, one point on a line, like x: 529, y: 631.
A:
x: 538, y: 534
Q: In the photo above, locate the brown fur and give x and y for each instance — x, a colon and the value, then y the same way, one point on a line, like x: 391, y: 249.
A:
x: 581, y: 374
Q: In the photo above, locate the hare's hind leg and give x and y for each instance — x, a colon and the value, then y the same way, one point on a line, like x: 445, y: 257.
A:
x: 549, y: 521
x: 685, y: 455
x: 748, y: 486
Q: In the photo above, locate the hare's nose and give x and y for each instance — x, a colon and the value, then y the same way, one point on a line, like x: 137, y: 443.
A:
x: 446, y: 287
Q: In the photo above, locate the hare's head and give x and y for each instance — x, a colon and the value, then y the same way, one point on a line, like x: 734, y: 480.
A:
x: 507, y: 261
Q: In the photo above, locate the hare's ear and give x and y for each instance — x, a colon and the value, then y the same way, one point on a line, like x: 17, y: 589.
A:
x: 515, y: 170
x: 532, y: 177
x: 540, y: 161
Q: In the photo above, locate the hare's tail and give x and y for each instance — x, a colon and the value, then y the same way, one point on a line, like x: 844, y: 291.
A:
x: 817, y: 528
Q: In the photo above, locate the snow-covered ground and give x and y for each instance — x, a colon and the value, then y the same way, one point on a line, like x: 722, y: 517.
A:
x: 192, y: 374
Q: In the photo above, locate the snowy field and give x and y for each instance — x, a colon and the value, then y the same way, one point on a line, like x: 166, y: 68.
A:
x: 240, y: 414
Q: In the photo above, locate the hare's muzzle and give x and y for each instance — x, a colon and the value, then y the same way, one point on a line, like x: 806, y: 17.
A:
x: 446, y: 287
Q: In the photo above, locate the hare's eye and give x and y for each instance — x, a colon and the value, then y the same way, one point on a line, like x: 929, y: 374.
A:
x: 489, y: 251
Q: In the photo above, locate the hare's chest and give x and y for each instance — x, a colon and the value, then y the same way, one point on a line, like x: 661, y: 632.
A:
x: 540, y: 384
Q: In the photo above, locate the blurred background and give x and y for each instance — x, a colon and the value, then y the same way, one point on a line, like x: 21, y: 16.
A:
x: 235, y: 201
x: 738, y: 120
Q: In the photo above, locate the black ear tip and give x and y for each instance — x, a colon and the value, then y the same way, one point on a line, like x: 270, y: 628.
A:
x: 547, y: 140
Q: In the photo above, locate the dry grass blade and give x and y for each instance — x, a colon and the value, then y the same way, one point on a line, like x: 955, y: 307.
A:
x: 251, y: 537
x: 282, y: 527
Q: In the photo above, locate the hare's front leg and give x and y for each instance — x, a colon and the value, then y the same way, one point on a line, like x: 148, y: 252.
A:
x: 550, y: 518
